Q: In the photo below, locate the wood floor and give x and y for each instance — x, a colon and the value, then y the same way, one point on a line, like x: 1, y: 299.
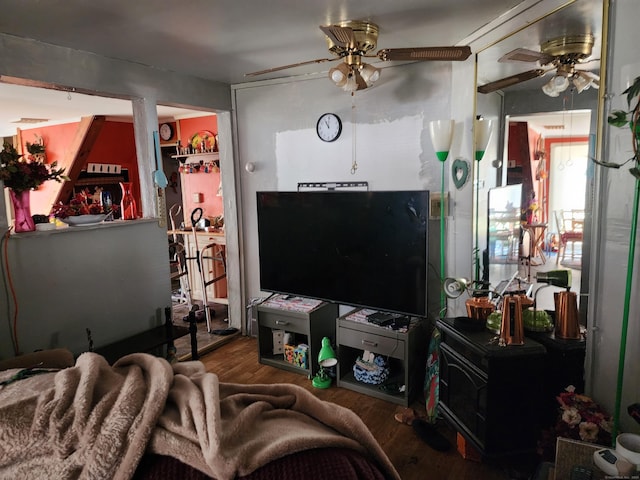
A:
x: 237, y: 362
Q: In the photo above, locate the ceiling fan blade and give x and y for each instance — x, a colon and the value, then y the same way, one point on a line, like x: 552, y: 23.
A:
x: 293, y: 65
x: 512, y: 80
x: 341, y: 36
x: 525, y: 55
x: 425, y: 53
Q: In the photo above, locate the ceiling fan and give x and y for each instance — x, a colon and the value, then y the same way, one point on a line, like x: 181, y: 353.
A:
x: 566, y: 55
x: 353, y: 40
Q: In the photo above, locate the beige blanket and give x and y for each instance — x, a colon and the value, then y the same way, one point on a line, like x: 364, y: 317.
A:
x: 96, y: 421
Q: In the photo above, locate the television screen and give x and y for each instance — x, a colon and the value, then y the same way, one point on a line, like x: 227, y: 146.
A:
x: 364, y: 249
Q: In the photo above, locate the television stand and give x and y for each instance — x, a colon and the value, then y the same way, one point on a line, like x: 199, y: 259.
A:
x: 306, y: 321
x: 404, y: 349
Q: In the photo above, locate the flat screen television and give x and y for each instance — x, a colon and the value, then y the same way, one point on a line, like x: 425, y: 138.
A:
x: 363, y: 249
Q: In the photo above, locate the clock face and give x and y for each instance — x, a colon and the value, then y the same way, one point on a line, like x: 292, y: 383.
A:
x: 166, y: 132
x: 329, y: 127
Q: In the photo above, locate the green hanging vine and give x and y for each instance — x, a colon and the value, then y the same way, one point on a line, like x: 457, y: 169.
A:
x: 621, y: 118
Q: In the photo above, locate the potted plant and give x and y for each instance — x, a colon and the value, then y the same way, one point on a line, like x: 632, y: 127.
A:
x: 622, y: 118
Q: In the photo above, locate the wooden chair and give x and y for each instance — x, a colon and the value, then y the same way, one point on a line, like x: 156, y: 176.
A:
x: 570, y: 231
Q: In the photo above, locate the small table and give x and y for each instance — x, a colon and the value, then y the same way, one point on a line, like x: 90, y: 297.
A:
x: 537, y: 231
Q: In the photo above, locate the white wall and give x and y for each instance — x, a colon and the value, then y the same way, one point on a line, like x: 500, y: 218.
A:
x: 276, y: 132
x: 612, y: 221
x: 114, y: 280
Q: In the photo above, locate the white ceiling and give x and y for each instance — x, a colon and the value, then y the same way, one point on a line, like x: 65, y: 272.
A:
x: 223, y: 40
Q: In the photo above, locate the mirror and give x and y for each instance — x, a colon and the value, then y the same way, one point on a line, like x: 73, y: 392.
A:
x: 545, y: 130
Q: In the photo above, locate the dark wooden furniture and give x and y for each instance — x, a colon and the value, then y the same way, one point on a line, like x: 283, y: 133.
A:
x: 405, y: 351
x: 150, y: 340
x: 564, y: 366
x: 491, y: 394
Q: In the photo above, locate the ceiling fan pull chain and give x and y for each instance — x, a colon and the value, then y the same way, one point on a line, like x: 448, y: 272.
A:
x: 354, y: 164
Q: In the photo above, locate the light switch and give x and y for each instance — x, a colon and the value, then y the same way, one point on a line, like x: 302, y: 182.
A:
x: 197, y: 197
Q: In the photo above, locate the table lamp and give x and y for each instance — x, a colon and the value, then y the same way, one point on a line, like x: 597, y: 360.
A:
x: 326, y: 358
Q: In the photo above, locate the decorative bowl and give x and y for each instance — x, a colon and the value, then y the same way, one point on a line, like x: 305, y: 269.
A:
x: 83, y: 220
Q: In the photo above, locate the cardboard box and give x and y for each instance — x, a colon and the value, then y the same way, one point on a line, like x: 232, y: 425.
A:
x: 278, y: 346
x: 467, y: 450
x: 288, y: 352
x: 300, y: 355
x: 296, y: 355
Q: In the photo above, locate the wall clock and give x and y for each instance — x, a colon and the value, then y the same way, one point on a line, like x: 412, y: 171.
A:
x: 166, y: 131
x: 329, y: 127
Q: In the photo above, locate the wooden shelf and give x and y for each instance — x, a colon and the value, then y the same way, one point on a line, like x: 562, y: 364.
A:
x: 214, y: 155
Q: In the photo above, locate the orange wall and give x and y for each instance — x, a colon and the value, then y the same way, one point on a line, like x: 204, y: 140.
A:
x: 205, y: 183
x: 114, y: 145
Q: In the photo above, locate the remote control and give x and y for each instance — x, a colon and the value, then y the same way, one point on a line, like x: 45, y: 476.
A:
x: 611, y: 462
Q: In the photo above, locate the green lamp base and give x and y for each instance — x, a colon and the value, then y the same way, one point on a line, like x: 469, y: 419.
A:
x: 320, y: 382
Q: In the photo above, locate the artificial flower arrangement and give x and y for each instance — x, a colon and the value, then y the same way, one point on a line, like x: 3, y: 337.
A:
x: 579, y: 418
x: 82, y: 203
x: 20, y: 174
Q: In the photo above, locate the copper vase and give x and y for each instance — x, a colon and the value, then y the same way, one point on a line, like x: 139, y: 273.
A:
x: 479, y: 308
x: 567, y: 323
x: 512, y: 328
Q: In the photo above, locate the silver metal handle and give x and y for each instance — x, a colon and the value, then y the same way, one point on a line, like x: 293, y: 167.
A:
x: 281, y: 322
x: 369, y: 343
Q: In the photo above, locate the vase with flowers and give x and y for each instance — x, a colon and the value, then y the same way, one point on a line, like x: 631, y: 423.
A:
x: 21, y: 175
x: 579, y: 418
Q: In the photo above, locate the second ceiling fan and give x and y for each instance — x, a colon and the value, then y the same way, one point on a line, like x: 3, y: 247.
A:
x: 567, y: 55
x: 354, y: 40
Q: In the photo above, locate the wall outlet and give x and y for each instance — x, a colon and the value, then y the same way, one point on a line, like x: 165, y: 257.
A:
x: 436, y: 206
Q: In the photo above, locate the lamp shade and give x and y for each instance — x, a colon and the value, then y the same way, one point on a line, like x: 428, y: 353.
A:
x: 441, y: 136
x: 327, y: 357
x: 454, y: 287
x: 557, y: 278
x: 482, y: 136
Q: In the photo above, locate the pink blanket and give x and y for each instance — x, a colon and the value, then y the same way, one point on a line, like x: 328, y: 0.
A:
x: 96, y: 421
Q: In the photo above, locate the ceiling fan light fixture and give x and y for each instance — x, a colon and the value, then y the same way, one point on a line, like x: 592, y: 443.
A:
x: 369, y: 73
x: 581, y: 83
x: 549, y: 89
x: 560, y: 83
x: 340, y: 74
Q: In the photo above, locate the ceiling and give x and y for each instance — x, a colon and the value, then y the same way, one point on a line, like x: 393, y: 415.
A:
x: 223, y: 40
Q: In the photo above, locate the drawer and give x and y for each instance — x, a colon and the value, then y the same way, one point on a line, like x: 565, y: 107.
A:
x: 281, y: 321
x: 388, y: 346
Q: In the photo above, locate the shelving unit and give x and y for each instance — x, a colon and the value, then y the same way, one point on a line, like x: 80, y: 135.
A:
x: 405, y: 352
x: 215, y: 156
x: 308, y: 320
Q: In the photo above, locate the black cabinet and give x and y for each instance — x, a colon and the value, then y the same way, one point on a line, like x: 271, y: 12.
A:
x: 564, y: 366
x: 499, y: 398
x: 491, y: 394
